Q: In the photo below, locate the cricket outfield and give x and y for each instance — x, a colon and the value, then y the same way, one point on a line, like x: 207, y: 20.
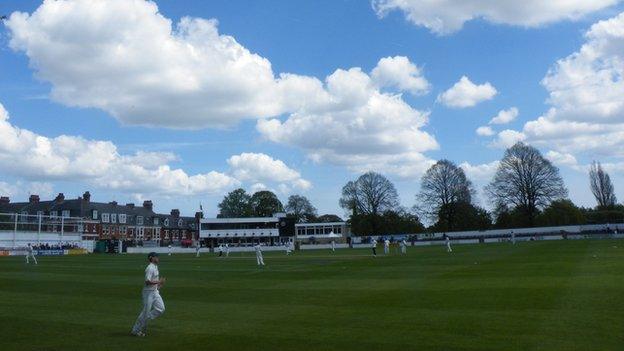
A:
x: 559, y: 295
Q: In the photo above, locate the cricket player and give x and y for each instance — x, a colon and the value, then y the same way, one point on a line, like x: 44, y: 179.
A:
x: 259, y: 258
x: 30, y: 254
x: 197, y: 246
x: 227, y: 250
x: 170, y: 249
x: 220, y: 250
x: 448, y: 244
x: 333, y: 245
x: 513, y: 237
x: 153, y: 305
x: 287, y: 244
x: 374, y: 247
x: 403, y: 247
x: 386, y: 247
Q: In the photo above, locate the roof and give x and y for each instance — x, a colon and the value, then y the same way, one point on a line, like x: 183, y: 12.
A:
x: 241, y: 220
x: 319, y: 224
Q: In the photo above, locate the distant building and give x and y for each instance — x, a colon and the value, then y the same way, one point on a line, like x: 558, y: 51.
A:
x: 332, y: 231
x: 245, y: 231
x: 179, y: 229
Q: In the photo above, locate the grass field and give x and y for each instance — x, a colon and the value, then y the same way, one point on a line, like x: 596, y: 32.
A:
x: 565, y: 295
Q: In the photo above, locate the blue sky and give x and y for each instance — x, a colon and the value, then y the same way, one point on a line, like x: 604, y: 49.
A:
x: 308, y: 39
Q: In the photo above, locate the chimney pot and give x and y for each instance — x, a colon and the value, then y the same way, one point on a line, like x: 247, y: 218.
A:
x: 33, y: 199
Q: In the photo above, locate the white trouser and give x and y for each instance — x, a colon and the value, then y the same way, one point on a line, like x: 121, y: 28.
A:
x: 448, y: 248
x: 153, y: 306
x: 227, y: 253
x: 30, y: 255
x: 259, y: 259
x: 403, y: 249
x: 197, y: 254
x: 386, y: 250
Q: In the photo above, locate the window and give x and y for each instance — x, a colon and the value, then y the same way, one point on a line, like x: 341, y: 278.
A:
x: 180, y: 222
x: 155, y: 220
x: 95, y: 214
x: 39, y: 213
x: 139, y: 220
x: 166, y: 222
x: 113, y: 218
x: 65, y: 213
x: 24, y: 216
x: 53, y: 214
x: 105, y: 217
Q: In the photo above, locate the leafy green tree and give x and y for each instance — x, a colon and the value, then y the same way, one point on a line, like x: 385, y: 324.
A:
x: 466, y: 216
x: 235, y: 204
x: 561, y: 212
x: 328, y: 218
x: 265, y: 203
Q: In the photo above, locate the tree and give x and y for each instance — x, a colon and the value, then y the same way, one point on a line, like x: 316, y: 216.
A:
x: 526, y: 180
x: 601, y: 186
x: 329, y: 218
x: 561, y: 212
x: 371, y: 193
x: 443, y: 188
x: 300, y: 208
x: 235, y: 204
x: 389, y: 222
x: 466, y: 216
x: 369, y: 196
x: 264, y: 204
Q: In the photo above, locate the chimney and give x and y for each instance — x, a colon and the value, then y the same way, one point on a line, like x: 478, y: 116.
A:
x: 86, y: 196
x: 199, y: 215
x: 33, y: 199
x: 131, y: 205
x: 148, y: 204
x: 175, y: 213
x: 114, y: 203
x: 4, y: 200
x: 60, y: 197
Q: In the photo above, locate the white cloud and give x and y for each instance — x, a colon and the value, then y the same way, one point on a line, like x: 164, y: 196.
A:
x: 562, y: 159
x: 21, y: 189
x: 400, y: 73
x: 260, y: 168
x: 26, y: 154
x: 357, y: 126
x: 508, y: 138
x: 585, y: 92
x: 485, y: 131
x: 467, y: 94
x: 447, y: 16
x: 482, y: 172
x: 505, y: 116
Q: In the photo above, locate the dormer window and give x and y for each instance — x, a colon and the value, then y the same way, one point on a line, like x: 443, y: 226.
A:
x: 113, y: 218
x: 95, y: 214
x: 166, y: 222
x: 122, y: 218
x: 156, y: 221
x: 65, y: 213
x: 180, y: 222
x: 105, y: 217
x: 139, y: 220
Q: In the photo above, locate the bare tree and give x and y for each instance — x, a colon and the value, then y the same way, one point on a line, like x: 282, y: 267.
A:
x: 370, y: 194
x: 300, y: 208
x: 442, y: 188
x: 601, y: 186
x: 526, y: 180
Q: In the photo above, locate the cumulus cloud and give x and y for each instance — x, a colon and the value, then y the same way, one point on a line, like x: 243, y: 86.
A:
x: 585, y: 93
x: 32, y: 156
x: 357, y: 126
x: 508, y: 138
x: 398, y: 72
x: 447, y: 16
x: 563, y: 159
x: 482, y: 172
x: 505, y: 116
x: 465, y: 93
x: 485, y: 131
x: 260, y: 168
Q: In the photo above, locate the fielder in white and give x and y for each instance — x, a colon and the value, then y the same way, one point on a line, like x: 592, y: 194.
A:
x: 386, y: 247
x: 259, y: 258
x: 333, y: 245
x: 287, y: 245
x: 170, y: 249
x: 374, y: 247
x: 448, y: 244
x: 30, y: 254
x: 197, y: 246
x: 227, y: 250
x: 403, y: 247
x: 153, y: 305
x: 513, y: 237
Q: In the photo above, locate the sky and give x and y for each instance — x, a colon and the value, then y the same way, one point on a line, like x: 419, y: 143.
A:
x: 182, y: 101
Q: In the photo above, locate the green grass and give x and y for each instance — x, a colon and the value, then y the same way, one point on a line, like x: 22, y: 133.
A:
x: 565, y: 295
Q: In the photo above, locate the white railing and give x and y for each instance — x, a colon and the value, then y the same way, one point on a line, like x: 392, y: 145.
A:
x: 239, y: 233
x: 18, y: 227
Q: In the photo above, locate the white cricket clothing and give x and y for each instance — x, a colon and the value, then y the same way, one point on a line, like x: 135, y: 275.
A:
x: 197, y: 251
x: 374, y: 243
x: 259, y: 258
x: 30, y: 254
x: 386, y: 246
x: 227, y: 250
x: 403, y: 247
x: 448, y: 245
x: 153, y: 305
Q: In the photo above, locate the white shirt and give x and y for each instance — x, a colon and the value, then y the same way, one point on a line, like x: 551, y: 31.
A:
x: 258, y: 248
x: 374, y: 243
x: 29, y: 249
x: 403, y: 243
x: 151, y: 274
x: 387, y: 243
